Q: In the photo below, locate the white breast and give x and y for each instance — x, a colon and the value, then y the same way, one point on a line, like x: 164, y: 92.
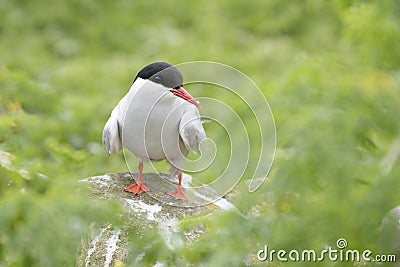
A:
x: 150, y: 127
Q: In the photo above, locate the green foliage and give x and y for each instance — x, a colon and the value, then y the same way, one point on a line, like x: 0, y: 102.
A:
x: 19, y: 92
x: 329, y: 69
x: 372, y: 43
x: 45, y: 229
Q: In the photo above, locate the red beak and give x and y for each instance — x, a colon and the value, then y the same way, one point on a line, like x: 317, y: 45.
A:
x: 182, y: 93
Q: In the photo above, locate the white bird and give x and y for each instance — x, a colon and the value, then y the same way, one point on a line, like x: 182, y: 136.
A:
x: 156, y: 120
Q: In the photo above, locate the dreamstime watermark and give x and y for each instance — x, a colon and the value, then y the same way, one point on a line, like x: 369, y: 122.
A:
x: 339, y: 253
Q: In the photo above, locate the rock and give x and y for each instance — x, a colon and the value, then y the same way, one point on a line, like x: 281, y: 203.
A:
x: 151, y: 211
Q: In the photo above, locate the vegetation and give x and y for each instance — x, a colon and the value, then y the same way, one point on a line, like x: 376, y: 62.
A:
x: 329, y: 69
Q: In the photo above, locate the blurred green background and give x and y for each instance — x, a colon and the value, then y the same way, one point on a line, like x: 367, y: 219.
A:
x: 329, y: 69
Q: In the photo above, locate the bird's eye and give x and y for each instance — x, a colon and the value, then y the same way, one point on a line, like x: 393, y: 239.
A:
x: 177, y: 87
x: 157, y: 78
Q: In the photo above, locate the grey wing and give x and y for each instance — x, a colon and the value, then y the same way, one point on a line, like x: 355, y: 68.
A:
x: 191, y: 130
x: 111, y: 135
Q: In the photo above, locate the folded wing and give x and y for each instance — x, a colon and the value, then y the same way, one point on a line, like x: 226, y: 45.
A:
x: 191, y: 130
x: 112, y: 134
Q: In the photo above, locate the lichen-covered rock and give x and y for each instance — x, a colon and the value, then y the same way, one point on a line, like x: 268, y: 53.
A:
x: 151, y: 211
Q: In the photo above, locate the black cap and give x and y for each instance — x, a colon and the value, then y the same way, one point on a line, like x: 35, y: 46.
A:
x: 162, y: 73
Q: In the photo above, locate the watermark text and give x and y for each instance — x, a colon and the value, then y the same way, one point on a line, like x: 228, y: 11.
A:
x: 339, y: 253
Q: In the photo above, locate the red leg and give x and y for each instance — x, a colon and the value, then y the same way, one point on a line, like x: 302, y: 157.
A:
x: 178, y: 194
x: 138, y: 187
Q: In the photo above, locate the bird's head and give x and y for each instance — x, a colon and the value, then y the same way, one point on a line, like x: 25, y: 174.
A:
x: 169, y: 76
